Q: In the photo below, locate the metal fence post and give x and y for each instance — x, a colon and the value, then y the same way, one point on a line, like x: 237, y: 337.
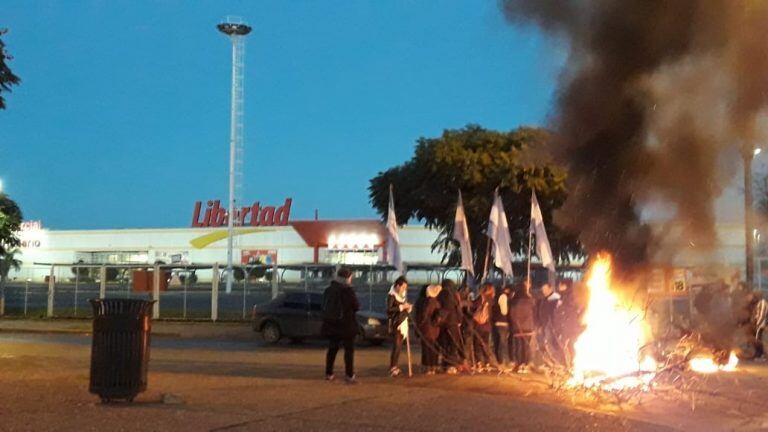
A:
x: 370, y: 288
x: 77, y: 283
x: 245, y: 291
x: 275, y: 282
x: 215, y: 293
x: 26, y: 296
x: 186, y: 284
x: 156, y: 292
x: 102, y: 282
x: 51, y: 288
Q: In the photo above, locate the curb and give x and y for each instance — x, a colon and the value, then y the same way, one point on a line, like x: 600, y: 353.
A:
x: 72, y: 331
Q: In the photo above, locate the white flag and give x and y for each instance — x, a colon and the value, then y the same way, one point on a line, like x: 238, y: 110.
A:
x: 542, y: 242
x: 403, y: 328
x: 498, y: 231
x: 393, y: 238
x: 461, y: 235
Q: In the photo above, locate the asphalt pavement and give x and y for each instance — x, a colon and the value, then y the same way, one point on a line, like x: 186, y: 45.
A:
x: 204, y: 382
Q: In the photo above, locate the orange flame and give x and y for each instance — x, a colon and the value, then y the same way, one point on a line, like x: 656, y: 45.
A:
x: 607, y: 353
x: 706, y: 364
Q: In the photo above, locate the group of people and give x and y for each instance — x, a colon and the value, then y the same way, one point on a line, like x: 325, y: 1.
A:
x: 506, y: 328
x: 461, y: 330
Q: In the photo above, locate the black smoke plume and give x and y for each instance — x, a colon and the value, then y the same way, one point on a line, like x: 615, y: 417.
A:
x: 656, y: 97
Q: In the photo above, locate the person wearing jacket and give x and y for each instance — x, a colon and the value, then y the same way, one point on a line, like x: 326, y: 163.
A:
x: 522, y: 326
x: 481, y: 317
x: 500, y: 319
x: 341, y: 330
x: 427, y: 310
x: 450, y: 332
x: 546, y: 311
x: 466, y: 307
x: 397, y: 313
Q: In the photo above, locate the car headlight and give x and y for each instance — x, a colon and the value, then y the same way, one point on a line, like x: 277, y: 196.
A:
x: 373, y: 322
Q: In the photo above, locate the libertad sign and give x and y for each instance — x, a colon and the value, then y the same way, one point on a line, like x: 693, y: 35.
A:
x: 215, y: 215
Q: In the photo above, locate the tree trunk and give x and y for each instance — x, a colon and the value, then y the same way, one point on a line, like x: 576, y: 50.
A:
x: 2, y: 296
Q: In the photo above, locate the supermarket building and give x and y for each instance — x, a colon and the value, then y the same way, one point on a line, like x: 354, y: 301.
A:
x: 263, y: 235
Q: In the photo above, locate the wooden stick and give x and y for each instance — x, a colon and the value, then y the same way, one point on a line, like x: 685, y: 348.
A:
x: 408, y: 348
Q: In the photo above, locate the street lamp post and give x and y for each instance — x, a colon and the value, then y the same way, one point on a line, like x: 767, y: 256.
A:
x: 236, y: 30
x: 748, y: 153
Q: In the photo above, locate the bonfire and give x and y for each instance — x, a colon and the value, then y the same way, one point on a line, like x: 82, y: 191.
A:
x: 612, y: 352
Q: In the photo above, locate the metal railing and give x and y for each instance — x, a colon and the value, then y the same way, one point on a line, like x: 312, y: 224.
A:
x: 186, y: 292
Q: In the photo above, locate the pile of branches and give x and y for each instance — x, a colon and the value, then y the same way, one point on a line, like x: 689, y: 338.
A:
x: 671, y: 377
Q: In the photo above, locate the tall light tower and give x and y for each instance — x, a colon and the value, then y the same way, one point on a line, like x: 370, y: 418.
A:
x: 236, y: 30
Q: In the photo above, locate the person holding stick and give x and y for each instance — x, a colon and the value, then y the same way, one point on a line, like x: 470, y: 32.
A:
x: 397, y: 314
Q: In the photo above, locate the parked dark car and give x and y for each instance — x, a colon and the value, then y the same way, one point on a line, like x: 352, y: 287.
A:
x: 298, y: 315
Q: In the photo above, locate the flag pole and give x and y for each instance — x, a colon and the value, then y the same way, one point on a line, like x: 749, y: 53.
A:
x: 530, y: 240
x: 408, y: 348
x: 487, y: 253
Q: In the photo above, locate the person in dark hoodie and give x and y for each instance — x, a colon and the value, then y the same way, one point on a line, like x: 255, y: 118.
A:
x: 427, y: 310
x: 397, y: 313
x: 450, y: 333
x: 522, y: 326
x: 340, y: 306
x: 500, y: 320
x: 546, y: 312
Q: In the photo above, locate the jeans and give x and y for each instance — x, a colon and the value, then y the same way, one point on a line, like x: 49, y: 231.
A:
x: 349, y: 355
x: 451, y: 344
x: 429, y: 354
x: 397, y: 346
x: 501, y: 343
x: 521, y: 345
x: 482, y: 352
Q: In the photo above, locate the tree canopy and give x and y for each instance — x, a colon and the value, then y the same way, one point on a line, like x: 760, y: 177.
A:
x: 10, y: 223
x: 476, y: 161
x: 7, y: 78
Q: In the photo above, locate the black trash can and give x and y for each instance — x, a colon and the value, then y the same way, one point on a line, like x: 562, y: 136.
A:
x: 120, y: 348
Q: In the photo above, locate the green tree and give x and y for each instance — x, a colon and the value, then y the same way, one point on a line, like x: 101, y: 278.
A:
x: 7, y: 262
x: 476, y: 161
x: 10, y: 222
x: 7, y: 78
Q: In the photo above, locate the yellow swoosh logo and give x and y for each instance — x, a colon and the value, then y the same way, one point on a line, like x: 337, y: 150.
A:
x: 204, y: 240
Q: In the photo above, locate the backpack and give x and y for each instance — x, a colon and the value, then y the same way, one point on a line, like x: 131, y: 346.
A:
x: 332, y: 307
x: 482, y: 314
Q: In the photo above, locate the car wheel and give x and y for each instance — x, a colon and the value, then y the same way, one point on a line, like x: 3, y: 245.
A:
x: 270, y: 331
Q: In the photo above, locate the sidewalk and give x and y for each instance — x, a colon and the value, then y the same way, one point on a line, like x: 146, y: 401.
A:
x: 181, y: 329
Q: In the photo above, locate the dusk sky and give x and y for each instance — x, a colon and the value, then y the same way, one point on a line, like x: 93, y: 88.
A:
x: 122, y: 116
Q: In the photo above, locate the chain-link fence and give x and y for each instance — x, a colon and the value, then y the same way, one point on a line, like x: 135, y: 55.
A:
x: 189, y: 292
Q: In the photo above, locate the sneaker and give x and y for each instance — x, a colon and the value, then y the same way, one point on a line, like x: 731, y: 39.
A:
x: 351, y: 380
x: 395, y: 371
x: 430, y: 371
x: 330, y: 377
x: 451, y: 371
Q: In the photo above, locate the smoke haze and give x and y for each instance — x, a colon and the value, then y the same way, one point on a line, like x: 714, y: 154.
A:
x: 656, y: 98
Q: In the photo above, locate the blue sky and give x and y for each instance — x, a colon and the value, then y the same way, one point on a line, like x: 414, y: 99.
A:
x: 122, y: 117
